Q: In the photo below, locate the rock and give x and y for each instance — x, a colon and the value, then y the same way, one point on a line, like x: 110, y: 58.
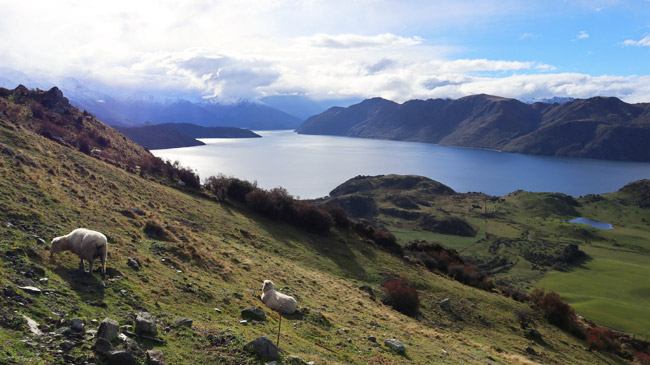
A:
x: 145, y: 324
x: 133, y: 263
x: 294, y: 360
x: 103, y: 346
x: 8, y: 151
x: 533, y: 334
x: 121, y: 357
x: 108, y: 329
x: 32, y: 326
x: 180, y: 322
x: 368, y: 290
x: 531, y: 350
x: 31, y: 289
x: 66, y: 331
x: 253, y: 313
x: 445, y: 304
x: 77, y: 324
x: 395, y: 345
x: 372, y: 338
x: 155, y: 357
x: 67, y: 345
x: 264, y: 348
x: 40, y: 241
x: 243, y: 322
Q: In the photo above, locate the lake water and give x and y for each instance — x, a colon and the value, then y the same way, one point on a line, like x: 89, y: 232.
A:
x: 311, y: 166
x: 593, y: 223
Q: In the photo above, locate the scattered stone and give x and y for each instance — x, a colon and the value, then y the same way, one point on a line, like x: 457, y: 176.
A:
x: 43, y: 280
x: 368, y: 290
x: 77, y: 324
x: 531, y: 350
x: 145, y: 324
x: 133, y: 263
x: 264, y: 348
x: 372, y: 338
x: 253, y: 313
x: 217, y: 310
x: 445, y: 304
x: 121, y: 357
x: 395, y: 345
x: 31, y: 289
x: 40, y: 241
x: 155, y: 357
x: 67, y: 345
x: 108, y: 329
x: 66, y: 331
x: 186, y: 322
x: 32, y: 326
x: 243, y: 322
x: 294, y: 360
x: 533, y: 334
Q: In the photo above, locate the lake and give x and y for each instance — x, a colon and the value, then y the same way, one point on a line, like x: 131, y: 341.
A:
x: 311, y: 166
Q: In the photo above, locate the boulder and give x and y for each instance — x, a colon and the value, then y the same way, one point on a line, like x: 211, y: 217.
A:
x: 531, y: 350
x: 121, y: 357
x: 395, y: 345
x: 294, y: 360
x: 533, y: 334
x: 155, y: 357
x: 372, y: 338
x: 133, y: 263
x: 103, y: 346
x: 180, y: 322
x: 253, y: 313
x: 77, y: 324
x: 108, y: 329
x: 145, y: 324
x: 445, y: 304
x: 264, y: 348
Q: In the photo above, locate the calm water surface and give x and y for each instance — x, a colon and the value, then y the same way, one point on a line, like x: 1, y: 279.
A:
x: 311, y: 166
x: 593, y: 223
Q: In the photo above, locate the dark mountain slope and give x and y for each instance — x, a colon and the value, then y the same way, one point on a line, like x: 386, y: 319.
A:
x: 599, y: 127
x: 197, y: 131
x: 157, y: 137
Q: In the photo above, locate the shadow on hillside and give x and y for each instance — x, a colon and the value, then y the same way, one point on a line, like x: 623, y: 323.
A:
x: 330, y: 246
x: 577, y: 264
x: 88, y: 286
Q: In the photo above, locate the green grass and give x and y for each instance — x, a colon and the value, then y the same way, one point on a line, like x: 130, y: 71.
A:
x: 611, y: 288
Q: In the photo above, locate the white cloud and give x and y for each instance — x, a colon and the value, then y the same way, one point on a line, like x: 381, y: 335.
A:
x: 528, y: 36
x: 360, y: 41
x: 643, y: 42
x: 581, y: 35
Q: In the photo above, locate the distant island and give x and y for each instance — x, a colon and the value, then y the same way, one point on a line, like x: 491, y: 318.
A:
x: 175, y: 135
x: 599, y: 127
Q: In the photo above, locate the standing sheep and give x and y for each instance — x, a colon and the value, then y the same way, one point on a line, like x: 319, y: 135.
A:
x: 277, y: 301
x: 87, y: 244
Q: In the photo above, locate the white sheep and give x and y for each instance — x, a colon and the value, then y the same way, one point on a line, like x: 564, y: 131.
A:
x: 277, y: 301
x: 87, y: 244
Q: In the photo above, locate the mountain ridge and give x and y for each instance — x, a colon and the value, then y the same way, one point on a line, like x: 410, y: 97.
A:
x: 598, y: 127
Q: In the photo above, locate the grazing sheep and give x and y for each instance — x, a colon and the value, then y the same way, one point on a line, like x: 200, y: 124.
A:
x: 87, y: 244
x: 277, y: 301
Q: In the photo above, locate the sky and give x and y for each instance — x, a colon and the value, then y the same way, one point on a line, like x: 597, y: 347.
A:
x: 331, y: 49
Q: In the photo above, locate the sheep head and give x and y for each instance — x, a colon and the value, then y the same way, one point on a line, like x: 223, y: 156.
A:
x: 268, y: 285
x: 56, y: 246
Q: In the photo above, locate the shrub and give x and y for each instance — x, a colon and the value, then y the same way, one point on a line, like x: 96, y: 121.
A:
x: 522, y: 317
x: 401, y: 296
x: 642, y: 358
x: 51, y: 131
x: 600, y: 338
x: 311, y: 218
x: 259, y: 201
x: 557, y: 312
x: 513, y: 293
x: 340, y: 216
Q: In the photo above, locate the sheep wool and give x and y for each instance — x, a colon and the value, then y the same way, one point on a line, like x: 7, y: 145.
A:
x: 87, y: 244
x: 277, y: 301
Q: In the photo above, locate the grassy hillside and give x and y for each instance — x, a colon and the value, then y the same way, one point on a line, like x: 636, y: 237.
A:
x: 206, y: 260
x: 521, y: 239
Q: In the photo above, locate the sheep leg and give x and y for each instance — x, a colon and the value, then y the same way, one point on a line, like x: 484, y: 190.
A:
x: 91, y: 261
x: 81, y: 265
x: 103, y: 261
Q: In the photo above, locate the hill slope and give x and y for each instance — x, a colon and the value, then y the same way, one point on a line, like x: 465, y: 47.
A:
x: 603, y: 128
x: 196, y: 254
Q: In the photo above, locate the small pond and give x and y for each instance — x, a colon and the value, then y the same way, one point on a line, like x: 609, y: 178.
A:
x: 593, y: 223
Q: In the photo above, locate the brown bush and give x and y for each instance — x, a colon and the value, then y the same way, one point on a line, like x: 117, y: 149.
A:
x: 642, y: 358
x: 522, y: 317
x: 557, y: 312
x: 600, y: 338
x: 340, y: 216
x: 401, y: 296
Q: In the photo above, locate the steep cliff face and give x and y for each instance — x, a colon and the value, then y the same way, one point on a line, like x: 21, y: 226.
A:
x: 599, y: 127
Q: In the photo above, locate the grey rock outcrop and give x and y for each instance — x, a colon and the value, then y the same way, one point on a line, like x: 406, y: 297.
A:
x: 395, y: 345
x: 108, y: 329
x: 145, y: 324
x: 264, y: 348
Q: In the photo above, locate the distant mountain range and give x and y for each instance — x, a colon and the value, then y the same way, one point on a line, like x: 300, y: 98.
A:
x: 174, y: 135
x: 599, y: 127
x: 127, y: 108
